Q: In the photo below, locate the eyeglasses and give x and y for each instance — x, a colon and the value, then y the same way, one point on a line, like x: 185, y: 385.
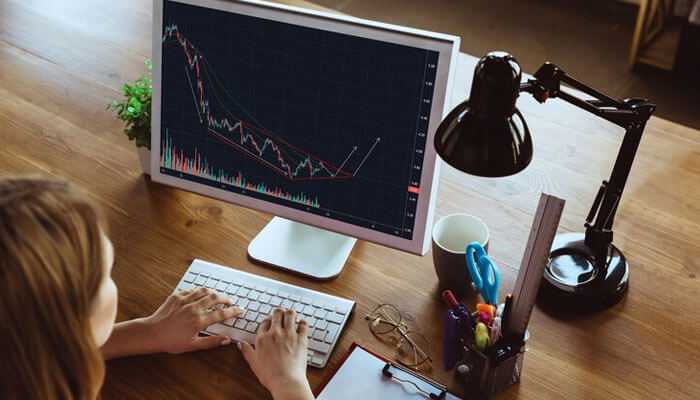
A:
x: 388, y: 324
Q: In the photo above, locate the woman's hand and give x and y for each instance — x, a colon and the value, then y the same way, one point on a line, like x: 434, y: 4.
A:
x: 279, y: 356
x: 174, y: 327
x: 176, y: 323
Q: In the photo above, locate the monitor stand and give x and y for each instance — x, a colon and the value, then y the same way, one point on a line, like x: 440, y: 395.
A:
x: 302, y: 249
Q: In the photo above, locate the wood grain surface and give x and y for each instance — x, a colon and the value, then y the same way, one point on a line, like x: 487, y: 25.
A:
x: 62, y: 61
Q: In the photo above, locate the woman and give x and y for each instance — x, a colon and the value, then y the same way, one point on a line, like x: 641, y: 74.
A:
x: 58, y: 306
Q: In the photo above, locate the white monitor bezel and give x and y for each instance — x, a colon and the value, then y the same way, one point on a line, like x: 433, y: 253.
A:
x: 446, y: 45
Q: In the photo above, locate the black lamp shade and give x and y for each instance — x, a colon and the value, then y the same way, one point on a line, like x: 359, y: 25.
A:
x: 486, y: 135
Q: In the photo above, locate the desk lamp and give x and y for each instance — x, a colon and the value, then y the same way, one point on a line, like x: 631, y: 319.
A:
x: 486, y: 135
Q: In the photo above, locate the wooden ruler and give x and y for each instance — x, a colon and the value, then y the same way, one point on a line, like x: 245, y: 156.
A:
x: 536, y: 257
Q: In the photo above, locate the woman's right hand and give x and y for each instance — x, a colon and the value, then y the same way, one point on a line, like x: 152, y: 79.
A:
x: 279, y: 356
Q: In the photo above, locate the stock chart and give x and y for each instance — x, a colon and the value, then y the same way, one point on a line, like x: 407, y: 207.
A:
x: 315, y: 120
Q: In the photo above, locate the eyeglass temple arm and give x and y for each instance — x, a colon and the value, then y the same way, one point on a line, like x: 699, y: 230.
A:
x: 397, y: 326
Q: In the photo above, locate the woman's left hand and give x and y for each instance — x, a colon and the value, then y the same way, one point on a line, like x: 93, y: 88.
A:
x: 175, y: 325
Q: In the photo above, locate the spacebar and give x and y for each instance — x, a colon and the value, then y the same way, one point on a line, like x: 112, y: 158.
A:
x: 233, y: 333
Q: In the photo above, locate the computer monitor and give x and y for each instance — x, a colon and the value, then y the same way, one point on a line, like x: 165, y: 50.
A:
x: 326, y: 121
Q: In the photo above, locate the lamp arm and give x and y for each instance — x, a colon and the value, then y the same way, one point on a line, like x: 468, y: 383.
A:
x: 547, y: 84
x: 630, y: 114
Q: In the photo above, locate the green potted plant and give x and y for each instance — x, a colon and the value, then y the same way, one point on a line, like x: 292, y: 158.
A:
x: 135, y: 111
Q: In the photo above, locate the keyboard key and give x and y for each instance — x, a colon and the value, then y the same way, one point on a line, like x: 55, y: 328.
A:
x: 332, y: 332
x: 321, y: 324
x: 211, y: 283
x: 261, y: 318
x: 275, y: 301
x: 341, y: 310
x: 242, y: 303
x: 318, y: 303
x: 264, y: 298
x: 221, y: 286
x: 251, y: 315
x: 298, y: 307
x: 321, y: 347
x: 317, y: 360
x: 185, y: 286
x: 296, y: 298
x: 253, y: 295
x: 335, y: 317
x: 230, y: 321
x: 287, y: 304
x: 319, y: 334
x: 240, y: 323
x: 253, y: 305
x: 309, y: 310
x: 265, y: 309
x: 311, y: 321
x: 231, y: 290
x: 271, y: 291
x: 218, y: 329
x: 320, y: 313
x: 235, y: 334
x: 283, y: 294
x: 190, y: 277
x: 243, y: 292
x: 200, y: 281
x: 252, y: 327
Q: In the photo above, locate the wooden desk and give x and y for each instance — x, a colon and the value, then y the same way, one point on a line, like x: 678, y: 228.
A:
x: 61, y: 63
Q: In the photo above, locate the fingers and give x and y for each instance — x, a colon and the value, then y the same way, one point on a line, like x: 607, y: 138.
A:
x: 289, y: 323
x: 211, y: 299
x: 209, y: 342
x: 247, y: 351
x: 277, y: 319
x: 195, y: 295
x: 265, y: 325
x: 220, y: 314
x: 303, y: 330
x: 280, y: 320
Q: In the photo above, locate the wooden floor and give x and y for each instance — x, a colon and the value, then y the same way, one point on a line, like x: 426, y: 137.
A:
x: 590, y: 39
x: 61, y: 62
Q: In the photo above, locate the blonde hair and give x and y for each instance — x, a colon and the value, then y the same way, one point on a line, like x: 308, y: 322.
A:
x: 50, y: 272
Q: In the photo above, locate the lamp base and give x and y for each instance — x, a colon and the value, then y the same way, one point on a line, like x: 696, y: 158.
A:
x: 572, y: 283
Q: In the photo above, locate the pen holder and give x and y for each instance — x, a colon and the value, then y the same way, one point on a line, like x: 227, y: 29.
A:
x: 493, y: 371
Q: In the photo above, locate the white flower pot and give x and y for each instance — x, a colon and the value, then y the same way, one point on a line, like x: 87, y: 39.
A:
x: 145, y: 159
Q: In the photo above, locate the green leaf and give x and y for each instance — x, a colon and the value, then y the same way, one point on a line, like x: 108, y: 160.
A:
x: 135, y: 108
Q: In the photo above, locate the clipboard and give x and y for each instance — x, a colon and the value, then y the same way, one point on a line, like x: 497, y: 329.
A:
x: 366, y: 375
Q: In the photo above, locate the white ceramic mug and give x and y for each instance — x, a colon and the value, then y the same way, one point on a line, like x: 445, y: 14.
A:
x: 451, y: 235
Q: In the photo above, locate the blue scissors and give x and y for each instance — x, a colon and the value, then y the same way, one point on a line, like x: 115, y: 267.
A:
x: 484, y: 273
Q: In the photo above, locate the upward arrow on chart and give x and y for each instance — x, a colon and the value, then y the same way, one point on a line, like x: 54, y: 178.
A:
x: 376, y: 142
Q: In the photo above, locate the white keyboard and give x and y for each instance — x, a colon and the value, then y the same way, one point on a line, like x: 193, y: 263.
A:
x: 325, y: 314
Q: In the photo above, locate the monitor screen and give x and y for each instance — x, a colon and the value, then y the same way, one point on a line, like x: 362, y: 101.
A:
x: 323, y: 122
